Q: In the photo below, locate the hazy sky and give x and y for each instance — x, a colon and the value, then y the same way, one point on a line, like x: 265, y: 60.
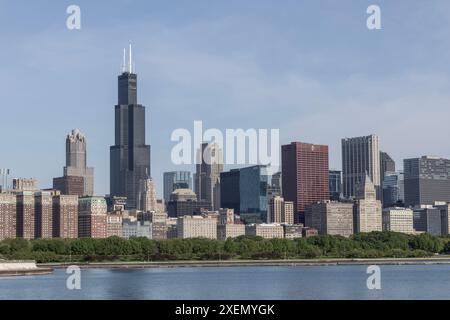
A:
x: 310, y: 68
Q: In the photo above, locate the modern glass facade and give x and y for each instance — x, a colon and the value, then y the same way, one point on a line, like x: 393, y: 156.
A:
x: 253, y: 183
x: 393, y: 189
x: 230, y: 197
x: 176, y: 180
x: 335, y: 182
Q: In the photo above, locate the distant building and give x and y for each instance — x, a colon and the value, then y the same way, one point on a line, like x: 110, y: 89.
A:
x: 226, y: 216
x: 398, y: 220
x: 65, y: 216
x: 226, y: 231
x: 8, y: 222
x: 184, y: 202
x: 305, y: 175
x: 427, y: 180
x: 147, y: 195
x: 427, y: 219
x: 176, y: 180
x: 4, y: 179
x: 196, y: 227
x: 138, y: 229
x: 335, y: 182
x: 78, y: 178
x: 114, y: 222
x: 444, y: 208
x: 309, y: 232
x: 26, y: 215
x: 360, y: 157
x: 43, y: 201
x: 266, y: 231
x: 209, y: 165
x: 92, y: 217
x: 387, y: 164
x: 368, y: 213
x: 281, y: 211
x: 230, y: 190
x: 130, y: 155
x: 21, y: 184
x: 329, y: 217
x: 393, y: 189
x: 253, y: 182
x: 293, y: 231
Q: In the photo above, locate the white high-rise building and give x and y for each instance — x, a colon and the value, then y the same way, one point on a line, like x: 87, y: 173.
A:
x: 398, y: 220
x: 147, y: 201
x: 368, y: 208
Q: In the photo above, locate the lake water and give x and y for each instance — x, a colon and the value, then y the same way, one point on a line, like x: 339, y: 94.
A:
x: 298, y: 283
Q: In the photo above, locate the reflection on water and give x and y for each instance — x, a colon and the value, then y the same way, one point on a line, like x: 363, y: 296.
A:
x: 318, y: 282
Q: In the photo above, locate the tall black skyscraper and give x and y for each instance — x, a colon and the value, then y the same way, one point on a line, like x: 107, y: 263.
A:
x: 130, y: 156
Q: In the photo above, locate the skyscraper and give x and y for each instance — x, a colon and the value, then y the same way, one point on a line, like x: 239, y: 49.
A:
x: 360, y: 157
x: 393, y: 189
x: 427, y: 179
x: 253, y: 183
x: 335, y: 184
x: 368, y: 213
x: 305, y: 177
x: 147, y: 195
x: 78, y: 178
x: 130, y: 156
x: 387, y: 164
x: 207, y: 177
x: 229, y: 190
x: 176, y: 180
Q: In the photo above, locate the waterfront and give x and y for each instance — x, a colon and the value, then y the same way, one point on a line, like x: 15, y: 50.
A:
x: 298, y: 283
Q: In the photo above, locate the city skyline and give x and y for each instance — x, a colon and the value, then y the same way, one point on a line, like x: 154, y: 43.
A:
x: 50, y: 61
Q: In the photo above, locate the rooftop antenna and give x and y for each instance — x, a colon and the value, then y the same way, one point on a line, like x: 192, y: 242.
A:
x: 130, y: 65
x: 124, y: 64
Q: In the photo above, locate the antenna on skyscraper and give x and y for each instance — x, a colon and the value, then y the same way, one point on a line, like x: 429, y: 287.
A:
x: 124, y: 63
x: 130, y: 65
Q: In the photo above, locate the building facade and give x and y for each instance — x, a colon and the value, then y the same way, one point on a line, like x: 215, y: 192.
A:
x: 427, y: 180
x: 65, y: 216
x: 265, y: 230
x: 253, y: 183
x: 78, y: 178
x: 393, y: 189
x: 92, y: 217
x: 368, y: 210
x: 305, y: 175
x: 281, y: 211
x: 196, y: 227
x: 398, y: 220
x: 8, y: 222
x: 176, y: 180
x: 230, y: 196
x: 209, y: 165
x: 360, y: 157
x: 329, y: 217
x: 335, y: 182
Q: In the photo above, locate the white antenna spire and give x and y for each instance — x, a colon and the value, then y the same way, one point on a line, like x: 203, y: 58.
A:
x: 130, y: 65
x: 124, y: 64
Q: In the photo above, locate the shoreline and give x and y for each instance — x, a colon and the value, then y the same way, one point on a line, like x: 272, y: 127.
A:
x: 252, y: 263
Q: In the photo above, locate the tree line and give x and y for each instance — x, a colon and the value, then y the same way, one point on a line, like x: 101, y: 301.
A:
x: 364, y: 245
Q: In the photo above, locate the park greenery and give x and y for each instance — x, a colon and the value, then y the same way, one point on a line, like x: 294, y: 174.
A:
x: 365, y: 245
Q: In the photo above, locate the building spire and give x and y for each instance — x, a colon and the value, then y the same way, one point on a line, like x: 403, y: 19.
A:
x: 124, y: 62
x: 130, y: 64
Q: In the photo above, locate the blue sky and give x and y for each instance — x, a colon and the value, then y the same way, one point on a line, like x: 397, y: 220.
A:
x: 310, y: 68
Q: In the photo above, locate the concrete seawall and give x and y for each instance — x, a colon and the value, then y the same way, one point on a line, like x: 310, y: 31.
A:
x: 18, y: 268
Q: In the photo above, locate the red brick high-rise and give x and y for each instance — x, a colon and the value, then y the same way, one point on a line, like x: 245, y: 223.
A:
x: 304, y: 175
